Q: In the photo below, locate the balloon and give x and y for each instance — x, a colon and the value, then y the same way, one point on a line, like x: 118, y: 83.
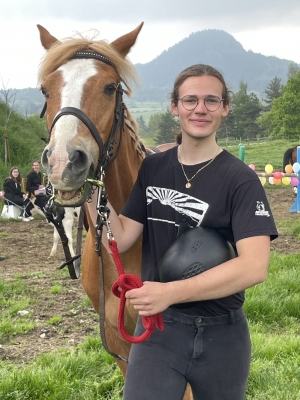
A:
x: 271, y: 180
x: 288, y: 169
x: 262, y: 180
x: 286, y: 180
x: 268, y: 168
x: 277, y: 181
x: 277, y: 175
x: 296, y: 167
x: 294, y: 181
x: 252, y: 166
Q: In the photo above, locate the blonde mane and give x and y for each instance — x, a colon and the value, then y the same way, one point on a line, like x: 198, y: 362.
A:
x: 62, y: 51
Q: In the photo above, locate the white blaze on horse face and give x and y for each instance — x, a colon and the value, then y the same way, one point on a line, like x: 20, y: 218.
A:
x: 75, y: 74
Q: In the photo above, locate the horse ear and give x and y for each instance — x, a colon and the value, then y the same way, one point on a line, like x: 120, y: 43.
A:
x: 47, y: 39
x: 124, y: 43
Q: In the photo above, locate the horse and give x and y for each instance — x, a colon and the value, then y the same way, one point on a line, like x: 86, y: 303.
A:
x: 161, y: 147
x: 290, y: 156
x: 93, y: 134
x: 66, y: 215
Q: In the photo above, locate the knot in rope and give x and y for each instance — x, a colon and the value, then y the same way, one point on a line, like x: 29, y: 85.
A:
x: 124, y: 283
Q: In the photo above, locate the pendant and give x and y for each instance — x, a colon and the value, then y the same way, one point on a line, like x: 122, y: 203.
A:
x: 188, y: 185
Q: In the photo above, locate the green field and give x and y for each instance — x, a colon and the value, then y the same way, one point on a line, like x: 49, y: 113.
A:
x: 146, y: 109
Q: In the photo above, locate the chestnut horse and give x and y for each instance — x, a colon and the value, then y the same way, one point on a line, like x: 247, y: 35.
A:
x: 90, y: 129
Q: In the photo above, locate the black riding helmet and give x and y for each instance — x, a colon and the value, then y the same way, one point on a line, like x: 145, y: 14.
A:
x: 195, y: 251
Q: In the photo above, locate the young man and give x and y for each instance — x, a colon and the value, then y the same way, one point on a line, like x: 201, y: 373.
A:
x: 206, y: 338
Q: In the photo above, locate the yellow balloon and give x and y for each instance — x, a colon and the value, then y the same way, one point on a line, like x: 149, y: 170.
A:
x: 286, y: 180
x: 268, y: 168
x: 262, y: 180
x: 288, y: 169
x: 277, y: 181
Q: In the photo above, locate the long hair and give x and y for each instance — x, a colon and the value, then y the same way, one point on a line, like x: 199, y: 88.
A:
x: 18, y: 179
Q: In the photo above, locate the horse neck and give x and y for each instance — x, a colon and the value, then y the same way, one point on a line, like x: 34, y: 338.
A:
x: 121, y: 174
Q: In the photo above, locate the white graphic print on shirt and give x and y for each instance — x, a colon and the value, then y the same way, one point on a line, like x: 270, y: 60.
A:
x: 181, y: 202
x: 261, y: 209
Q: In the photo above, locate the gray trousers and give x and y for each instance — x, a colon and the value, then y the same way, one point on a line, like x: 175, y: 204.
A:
x: 211, y: 353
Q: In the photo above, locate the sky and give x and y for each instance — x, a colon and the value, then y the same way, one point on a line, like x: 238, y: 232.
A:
x: 269, y: 27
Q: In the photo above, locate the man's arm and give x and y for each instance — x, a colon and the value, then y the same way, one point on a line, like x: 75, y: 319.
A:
x: 242, y: 272
x: 125, y: 230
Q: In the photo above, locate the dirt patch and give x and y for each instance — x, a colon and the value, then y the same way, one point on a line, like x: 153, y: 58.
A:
x: 27, y: 246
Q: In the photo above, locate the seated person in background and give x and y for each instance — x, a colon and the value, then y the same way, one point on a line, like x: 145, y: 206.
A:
x: 34, y: 179
x: 13, y: 194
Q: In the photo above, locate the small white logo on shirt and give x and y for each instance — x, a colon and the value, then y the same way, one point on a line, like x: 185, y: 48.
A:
x: 261, y: 209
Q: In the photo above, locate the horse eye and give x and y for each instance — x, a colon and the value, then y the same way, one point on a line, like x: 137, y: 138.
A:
x: 44, y: 91
x: 110, y: 89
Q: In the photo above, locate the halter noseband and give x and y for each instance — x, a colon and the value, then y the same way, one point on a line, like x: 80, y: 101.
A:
x: 105, y: 150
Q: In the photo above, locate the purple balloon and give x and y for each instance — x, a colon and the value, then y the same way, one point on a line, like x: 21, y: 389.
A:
x: 294, y: 181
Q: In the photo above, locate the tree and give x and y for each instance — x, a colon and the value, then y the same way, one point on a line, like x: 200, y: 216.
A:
x: 272, y: 91
x: 246, y: 108
x: 227, y: 126
x: 292, y: 70
x: 167, y: 128
x: 283, y: 120
x: 153, y: 125
x: 143, y: 129
x: 9, y: 97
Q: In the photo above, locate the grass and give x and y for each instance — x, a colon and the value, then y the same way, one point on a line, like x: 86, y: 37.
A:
x: 56, y: 289
x: 88, y: 372
x: 55, y: 320
x: 268, y: 152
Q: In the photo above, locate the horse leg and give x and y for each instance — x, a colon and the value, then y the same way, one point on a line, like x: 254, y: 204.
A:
x: 68, y: 227
x: 55, y: 243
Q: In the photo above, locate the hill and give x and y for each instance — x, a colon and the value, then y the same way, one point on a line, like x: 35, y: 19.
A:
x: 215, y: 47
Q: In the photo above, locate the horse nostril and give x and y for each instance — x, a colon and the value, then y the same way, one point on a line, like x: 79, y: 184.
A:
x: 78, y: 161
x: 78, y: 158
x: 45, y: 158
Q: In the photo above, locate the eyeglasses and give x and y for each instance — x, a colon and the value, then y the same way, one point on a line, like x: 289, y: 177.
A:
x: 212, y: 103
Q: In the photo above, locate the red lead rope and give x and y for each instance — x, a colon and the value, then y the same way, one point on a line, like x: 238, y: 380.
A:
x: 124, y: 283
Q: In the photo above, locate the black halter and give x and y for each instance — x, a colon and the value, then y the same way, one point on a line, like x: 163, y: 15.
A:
x: 105, y: 150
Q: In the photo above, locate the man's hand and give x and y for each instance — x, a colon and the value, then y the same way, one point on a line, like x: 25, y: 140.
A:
x: 150, y: 299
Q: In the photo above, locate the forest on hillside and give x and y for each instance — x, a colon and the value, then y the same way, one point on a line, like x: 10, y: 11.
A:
x: 277, y: 115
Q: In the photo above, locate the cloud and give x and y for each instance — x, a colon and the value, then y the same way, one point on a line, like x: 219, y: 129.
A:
x: 231, y: 15
x: 270, y: 27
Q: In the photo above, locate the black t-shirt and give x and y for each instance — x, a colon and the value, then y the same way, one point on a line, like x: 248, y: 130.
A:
x: 226, y: 196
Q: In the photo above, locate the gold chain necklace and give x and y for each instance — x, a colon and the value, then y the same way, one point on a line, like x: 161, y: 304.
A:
x: 188, y: 184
